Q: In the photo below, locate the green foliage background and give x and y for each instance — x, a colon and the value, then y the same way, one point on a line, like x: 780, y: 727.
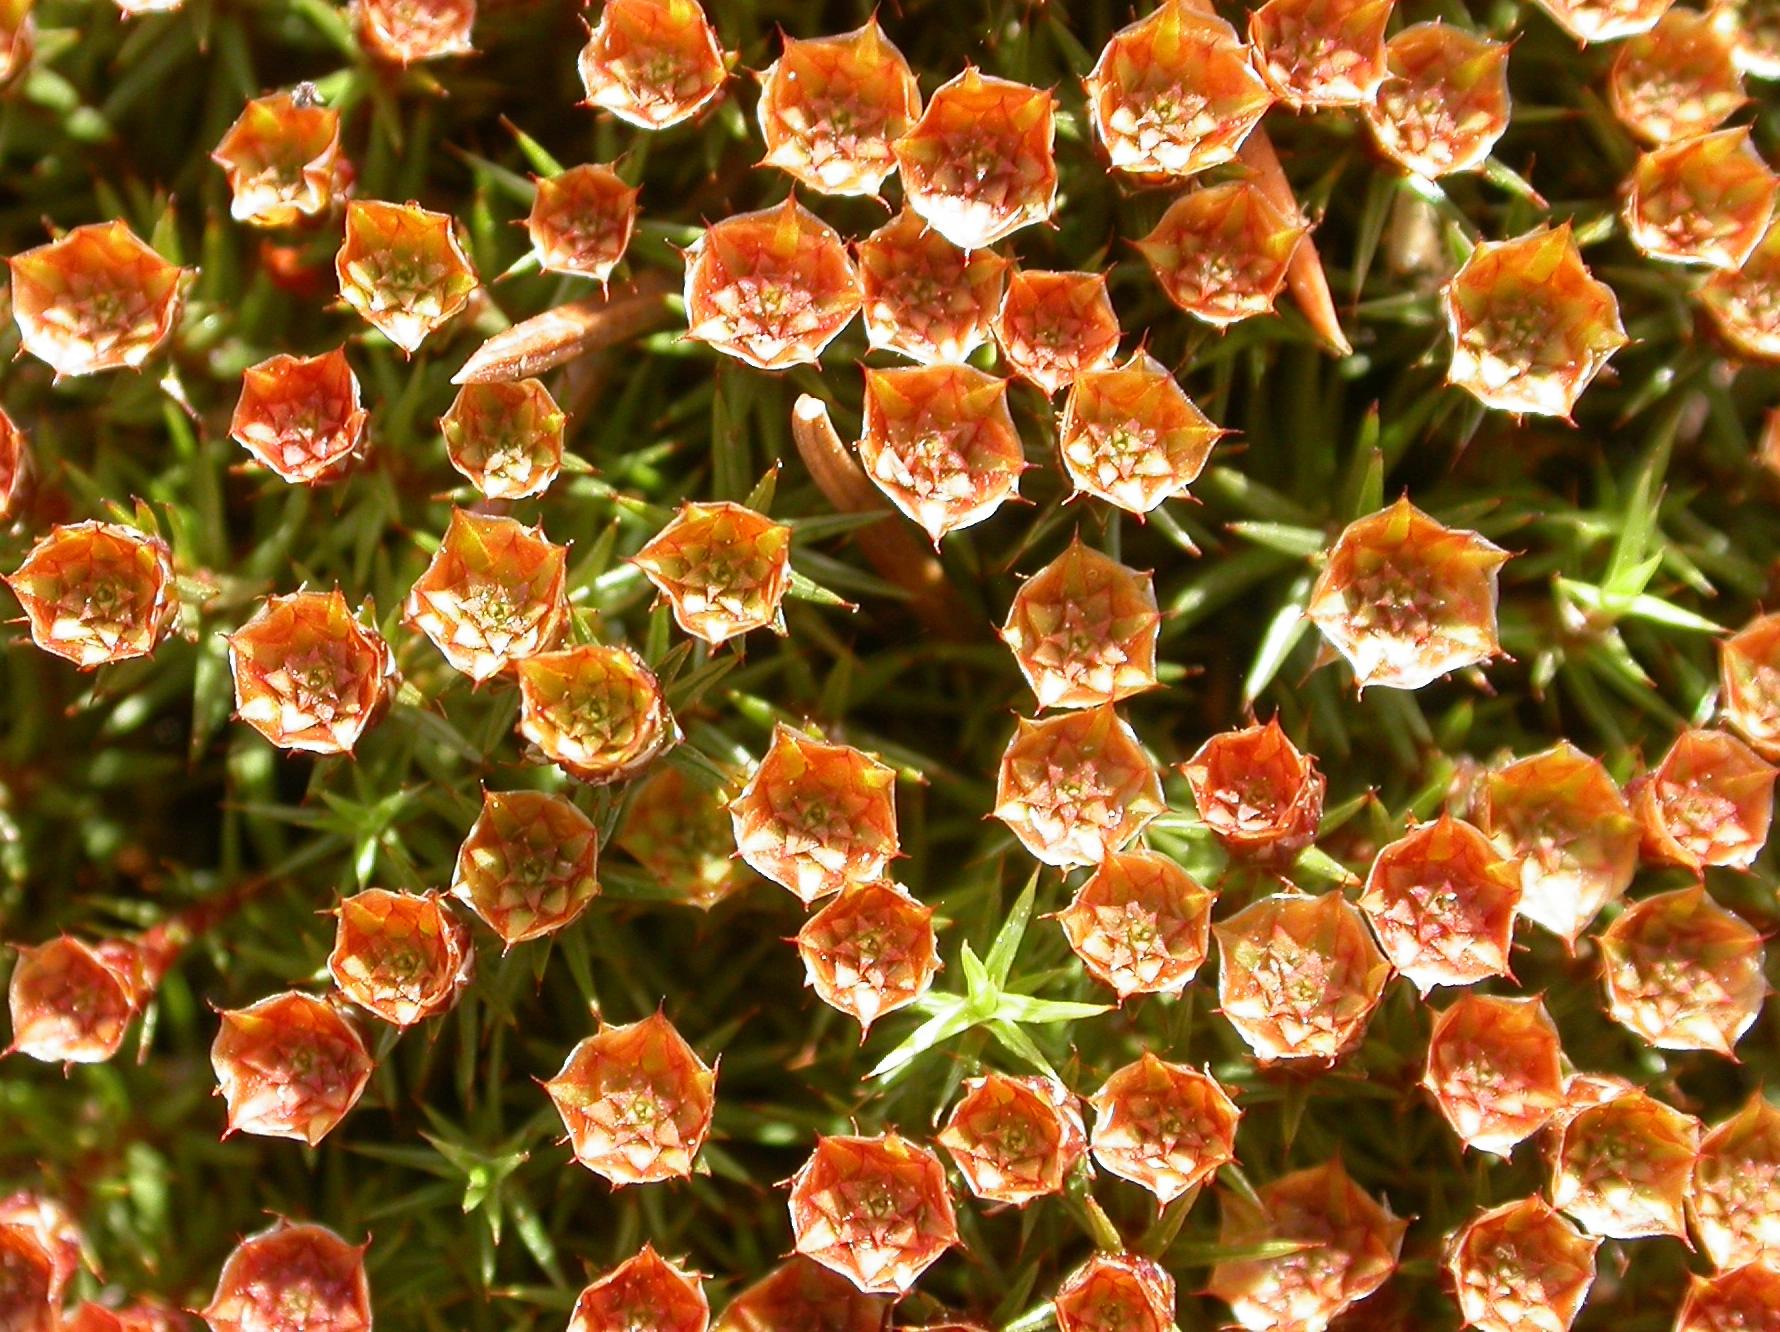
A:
x: 128, y: 794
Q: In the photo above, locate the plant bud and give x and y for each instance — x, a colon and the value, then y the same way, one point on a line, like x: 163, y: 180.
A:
x: 1755, y: 36
x: 1442, y: 902
x: 308, y: 676
x: 42, y: 1244
x: 301, y: 417
x: 1131, y: 437
x: 1140, y: 924
x: 30, y: 1299
x: 645, y: 1292
x: 652, y: 63
x: 771, y: 288
x: 1083, y: 630
x: 875, y: 1210
x: 1298, y: 977
x: 494, y: 593
x: 402, y: 268
x: 581, y: 221
x: 1684, y: 973
x: 283, y: 162
x: 95, y: 299
x: 292, y: 1278
x: 1174, y: 93
x: 939, y: 442
x: 1622, y: 1166
x: 1221, y: 252
x: 71, y: 1002
x: 636, y: 1102
x: 1709, y: 802
x: 815, y: 816
x: 802, y: 1296
x: 404, y: 32
x: 1734, y: 1198
x: 1705, y: 200
x: 1406, y: 600
x: 1444, y: 102
x: 1521, y: 1267
x: 1257, y: 793
x: 1077, y: 786
x: 1116, y: 1292
x: 723, y: 568
x: 1678, y: 79
x: 1052, y: 327
x: 680, y: 831
x: 1744, y: 304
x: 505, y: 438
x: 869, y: 951
x: 1316, y: 53
x: 925, y: 298
x: 15, y: 464
x: 1745, y: 1297
x: 1349, y: 1249
x: 1165, y: 1127
x: 978, y: 165
x: 1015, y: 1139
x: 1604, y: 20
x: 830, y: 108
x: 18, y: 38
x: 597, y: 712
x: 290, y: 1066
x: 1531, y: 327
x: 1749, y: 682
x: 400, y: 956
x: 1495, y: 1070
x: 528, y: 867
x: 96, y: 593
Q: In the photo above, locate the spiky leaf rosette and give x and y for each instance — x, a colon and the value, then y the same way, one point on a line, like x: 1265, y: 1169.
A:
x: 1083, y: 630
x: 1621, y: 1167
x: 71, y: 1002
x: 1014, y: 1139
x: 1350, y: 1247
x: 1054, y: 327
x: 505, y: 438
x: 1077, y: 786
x: 1444, y: 101
x: 771, y: 288
x: 877, y: 1210
x: 869, y: 951
x: 816, y: 816
x: 301, y: 417
x: 402, y: 268
x: 1522, y: 1265
x: 1744, y: 1297
x: 939, y: 442
x: 1709, y: 802
x: 95, y: 593
x: 290, y: 1066
x: 1734, y: 1198
x: 645, y: 1291
x: 681, y: 832
x: 978, y: 165
x: 1755, y: 36
x: 1140, y: 924
x: 1165, y: 1127
x: 401, y: 957
x: 1744, y: 304
x: 283, y: 162
x: 1749, y: 684
x: 1704, y: 200
x: 1260, y: 796
x: 925, y: 298
x: 95, y: 299
x: 1131, y: 436
x: 528, y: 866
x: 723, y: 568
x: 1405, y: 599
x: 652, y: 63
x: 405, y: 32
x: 1116, y: 1292
x: 596, y: 712
x: 1221, y: 252
x: 292, y: 1278
x: 1316, y: 53
x: 1678, y: 79
x: 1604, y: 20
x: 1442, y: 901
x: 1495, y: 1069
x: 636, y: 1102
x: 1562, y: 820
x: 308, y: 676
x: 15, y: 467
x: 1299, y: 976
x: 831, y: 107
x: 1530, y: 325
x: 1174, y: 93
x: 803, y: 1294
x: 494, y: 593
x: 581, y: 221
x: 1683, y: 972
